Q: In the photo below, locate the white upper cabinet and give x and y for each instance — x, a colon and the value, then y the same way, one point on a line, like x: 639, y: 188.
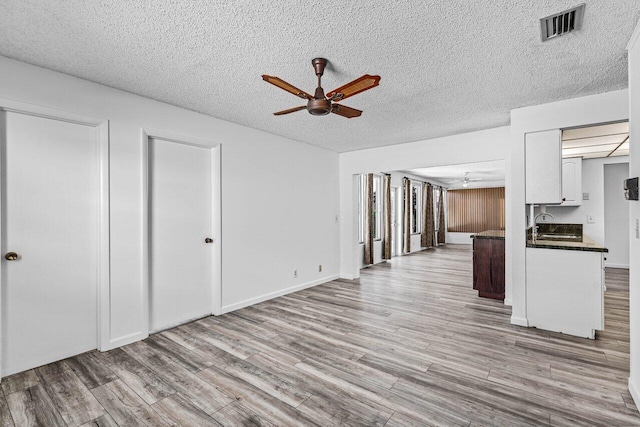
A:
x: 572, y: 181
x: 543, y: 174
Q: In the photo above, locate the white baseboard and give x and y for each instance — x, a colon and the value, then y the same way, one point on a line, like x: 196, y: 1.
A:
x: 347, y: 276
x: 614, y: 265
x: 256, y: 300
x: 508, y: 302
x: 520, y: 321
x: 635, y: 393
x: 127, y: 339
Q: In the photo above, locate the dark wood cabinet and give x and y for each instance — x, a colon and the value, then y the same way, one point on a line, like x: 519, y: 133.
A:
x: 488, y: 267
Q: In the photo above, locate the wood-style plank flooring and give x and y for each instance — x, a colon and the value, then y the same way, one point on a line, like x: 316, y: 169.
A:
x: 409, y: 344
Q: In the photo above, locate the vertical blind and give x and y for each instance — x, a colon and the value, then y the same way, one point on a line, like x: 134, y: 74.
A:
x: 475, y: 210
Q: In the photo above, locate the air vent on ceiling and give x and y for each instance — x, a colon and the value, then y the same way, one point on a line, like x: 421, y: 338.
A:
x: 561, y: 23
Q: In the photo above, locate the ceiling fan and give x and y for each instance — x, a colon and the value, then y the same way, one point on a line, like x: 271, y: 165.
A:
x: 320, y: 104
x: 466, y: 180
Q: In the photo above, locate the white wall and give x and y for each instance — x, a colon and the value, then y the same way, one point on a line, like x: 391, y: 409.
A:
x: 279, y: 197
x: 634, y: 215
x: 490, y: 144
x: 588, y: 110
x: 459, y: 238
x: 616, y: 216
x: 593, y: 182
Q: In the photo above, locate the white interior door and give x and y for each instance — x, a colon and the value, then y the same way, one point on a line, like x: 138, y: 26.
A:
x: 180, y: 220
x: 50, y: 221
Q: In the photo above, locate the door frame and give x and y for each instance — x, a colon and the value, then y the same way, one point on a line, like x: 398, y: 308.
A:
x: 103, y: 276
x: 216, y: 215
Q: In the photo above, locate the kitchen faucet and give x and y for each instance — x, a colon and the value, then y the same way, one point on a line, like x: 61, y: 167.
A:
x: 535, y: 224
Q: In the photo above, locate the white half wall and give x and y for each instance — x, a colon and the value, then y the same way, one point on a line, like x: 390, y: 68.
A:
x: 490, y: 144
x: 588, y: 110
x: 459, y: 238
x: 279, y: 197
x: 634, y: 216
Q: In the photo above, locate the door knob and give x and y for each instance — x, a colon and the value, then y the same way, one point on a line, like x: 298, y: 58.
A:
x: 208, y: 240
x: 11, y: 256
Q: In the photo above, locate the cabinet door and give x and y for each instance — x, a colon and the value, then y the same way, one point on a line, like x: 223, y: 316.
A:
x: 488, y: 268
x: 572, y: 181
x: 481, y: 264
x: 497, y: 268
x: 543, y: 167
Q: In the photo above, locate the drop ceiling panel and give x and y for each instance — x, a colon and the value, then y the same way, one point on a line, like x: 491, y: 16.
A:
x: 579, y: 151
x: 620, y: 152
x: 596, y: 155
x: 593, y: 131
x: 595, y: 140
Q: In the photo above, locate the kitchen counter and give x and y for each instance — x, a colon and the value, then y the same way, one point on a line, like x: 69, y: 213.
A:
x: 587, y: 244
x: 489, y: 234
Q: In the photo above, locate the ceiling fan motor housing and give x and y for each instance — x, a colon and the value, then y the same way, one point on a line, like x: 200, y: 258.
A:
x: 319, y: 107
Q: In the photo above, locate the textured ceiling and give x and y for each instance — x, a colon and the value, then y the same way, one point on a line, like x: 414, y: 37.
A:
x: 447, y: 66
x: 480, y: 174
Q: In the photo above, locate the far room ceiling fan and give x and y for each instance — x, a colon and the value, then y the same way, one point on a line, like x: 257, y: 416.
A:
x: 321, y: 104
x: 467, y: 180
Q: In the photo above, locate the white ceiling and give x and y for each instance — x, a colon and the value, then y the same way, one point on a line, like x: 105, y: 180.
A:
x: 447, y: 66
x: 481, y: 174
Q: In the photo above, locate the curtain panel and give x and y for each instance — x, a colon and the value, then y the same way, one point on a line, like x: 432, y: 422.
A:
x: 386, y: 217
x: 428, y: 225
x: 441, y: 227
x: 368, y: 221
x: 406, y: 248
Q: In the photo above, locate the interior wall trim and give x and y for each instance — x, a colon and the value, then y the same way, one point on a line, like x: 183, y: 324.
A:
x: 635, y: 393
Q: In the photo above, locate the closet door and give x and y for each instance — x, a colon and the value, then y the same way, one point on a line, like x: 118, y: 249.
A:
x: 50, y: 230
x: 180, y: 232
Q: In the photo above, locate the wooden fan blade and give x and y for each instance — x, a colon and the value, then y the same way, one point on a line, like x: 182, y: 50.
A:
x: 361, y: 84
x: 290, y: 110
x: 344, y: 111
x: 286, y: 86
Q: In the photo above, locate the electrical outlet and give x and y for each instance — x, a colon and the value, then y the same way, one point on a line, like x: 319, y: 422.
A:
x: 591, y: 219
x: 585, y: 196
x: 320, y: 268
x: 295, y: 274
x: 637, y: 228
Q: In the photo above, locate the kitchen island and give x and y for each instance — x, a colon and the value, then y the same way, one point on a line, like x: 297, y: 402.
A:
x: 565, y: 285
x: 488, y: 264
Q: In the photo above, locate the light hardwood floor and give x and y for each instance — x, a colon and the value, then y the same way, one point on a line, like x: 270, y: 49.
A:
x: 409, y: 344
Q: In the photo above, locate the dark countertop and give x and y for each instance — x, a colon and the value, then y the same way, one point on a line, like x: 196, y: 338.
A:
x: 489, y: 234
x: 587, y: 244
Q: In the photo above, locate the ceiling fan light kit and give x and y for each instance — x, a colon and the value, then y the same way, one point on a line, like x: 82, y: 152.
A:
x: 320, y: 104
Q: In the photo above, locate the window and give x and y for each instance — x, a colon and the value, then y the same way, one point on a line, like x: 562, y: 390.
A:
x: 475, y: 210
x: 376, y: 215
x: 436, y: 200
x: 416, y: 208
x: 377, y: 208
